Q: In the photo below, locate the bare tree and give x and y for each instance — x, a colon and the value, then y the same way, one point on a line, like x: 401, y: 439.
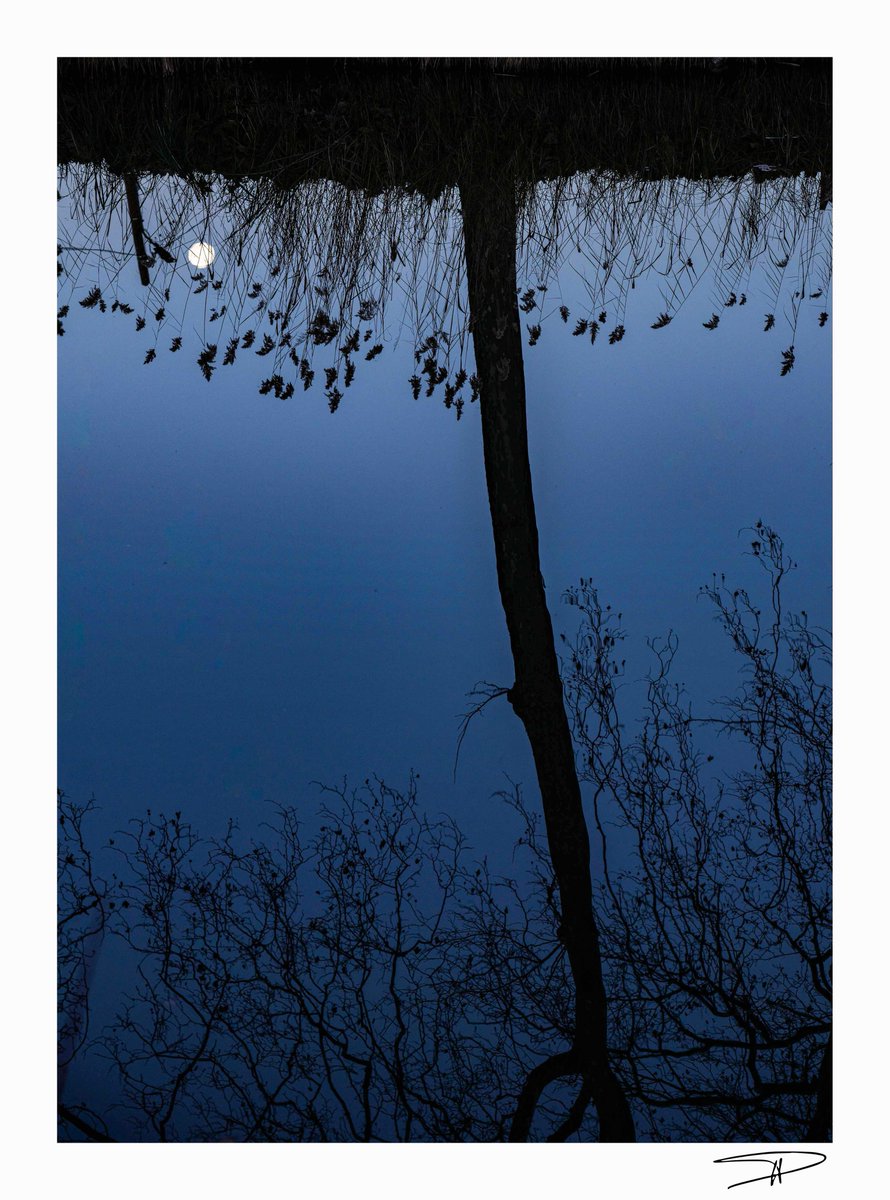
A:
x: 410, y: 995
x: 83, y: 901
x: 375, y: 982
x: 715, y: 899
x: 338, y: 1013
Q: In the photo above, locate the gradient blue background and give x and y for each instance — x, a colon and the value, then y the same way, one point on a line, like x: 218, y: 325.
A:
x: 255, y: 595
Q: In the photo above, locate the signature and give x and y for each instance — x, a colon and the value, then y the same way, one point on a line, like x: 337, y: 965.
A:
x: 776, y: 1161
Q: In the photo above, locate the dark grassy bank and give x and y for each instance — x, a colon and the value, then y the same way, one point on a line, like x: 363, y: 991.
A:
x: 380, y: 123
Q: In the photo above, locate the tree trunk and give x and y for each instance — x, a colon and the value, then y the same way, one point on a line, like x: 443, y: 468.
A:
x: 820, y: 1124
x: 133, y: 207
x: 489, y: 218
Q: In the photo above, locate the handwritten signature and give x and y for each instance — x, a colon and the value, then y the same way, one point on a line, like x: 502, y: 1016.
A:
x: 776, y: 1161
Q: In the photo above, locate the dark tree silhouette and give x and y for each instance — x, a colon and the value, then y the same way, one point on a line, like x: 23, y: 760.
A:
x: 718, y: 938
x: 260, y: 1016
x: 489, y: 219
x: 83, y: 902
x: 374, y: 982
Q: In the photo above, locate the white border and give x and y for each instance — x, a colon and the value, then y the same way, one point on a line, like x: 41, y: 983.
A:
x: 35, y: 1165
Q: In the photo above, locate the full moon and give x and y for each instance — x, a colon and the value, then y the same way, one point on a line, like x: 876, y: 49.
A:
x: 201, y: 254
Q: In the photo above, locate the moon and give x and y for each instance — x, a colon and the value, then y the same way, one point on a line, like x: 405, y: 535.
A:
x: 201, y: 254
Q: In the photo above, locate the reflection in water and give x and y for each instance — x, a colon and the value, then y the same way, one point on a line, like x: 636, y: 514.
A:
x: 415, y: 997
x: 308, y: 278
